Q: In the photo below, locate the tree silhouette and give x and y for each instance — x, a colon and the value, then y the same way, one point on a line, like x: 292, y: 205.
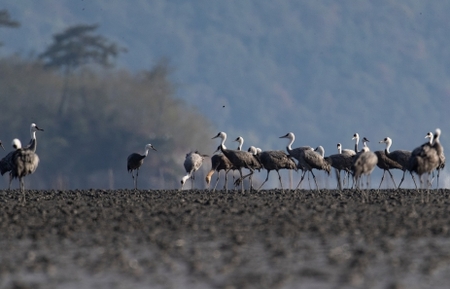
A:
x: 77, y: 46
x: 5, y: 20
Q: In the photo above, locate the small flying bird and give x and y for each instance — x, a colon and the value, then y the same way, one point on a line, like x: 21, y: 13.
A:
x: 135, y: 161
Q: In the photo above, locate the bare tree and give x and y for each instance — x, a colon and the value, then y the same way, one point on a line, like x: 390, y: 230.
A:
x: 77, y: 46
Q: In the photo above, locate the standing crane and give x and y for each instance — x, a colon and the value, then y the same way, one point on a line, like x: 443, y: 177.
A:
x: 385, y: 163
x: 192, y: 163
x: 6, y: 162
x: 425, y: 158
x: 296, y: 153
x: 135, y: 161
x: 341, y: 161
x: 400, y: 157
x: 24, y: 162
x: 363, y: 164
x: 313, y: 160
x: 219, y: 162
x: 274, y: 160
x: 239, y: 159
x: 441, y: 157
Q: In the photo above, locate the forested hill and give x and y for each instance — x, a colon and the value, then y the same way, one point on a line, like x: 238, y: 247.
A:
x: 321, y: 69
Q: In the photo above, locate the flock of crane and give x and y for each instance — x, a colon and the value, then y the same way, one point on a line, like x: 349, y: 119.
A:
x: 424, y: 159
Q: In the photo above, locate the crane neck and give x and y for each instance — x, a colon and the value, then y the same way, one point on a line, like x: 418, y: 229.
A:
x: 291, y: 141
x: 388, y: 146
x: 241, y: 143
x: 356, y: 143
x: 321, y: 151
x: 433, y: 139
x: 222, y: 143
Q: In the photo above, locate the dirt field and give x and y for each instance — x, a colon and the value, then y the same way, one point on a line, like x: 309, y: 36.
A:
x: 198, y: 239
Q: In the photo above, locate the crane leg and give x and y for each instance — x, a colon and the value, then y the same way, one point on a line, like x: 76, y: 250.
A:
x: 438, y: 172
x: 225, y: 186
x: 414, y: 179
x: 267, y: 177
x: 135, y: 181
x: 315, y: 180
x: 10, y: 181
x: 217, y: 180
x: 338, y: 177
x: 281, y: 183
x: 301, y: 180
x: 382, y: 178
x: 403, y: 177
x: 249, y: 175
x: 392, y: 178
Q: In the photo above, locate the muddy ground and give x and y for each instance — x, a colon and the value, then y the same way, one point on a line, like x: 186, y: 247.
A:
x: 197, y: 239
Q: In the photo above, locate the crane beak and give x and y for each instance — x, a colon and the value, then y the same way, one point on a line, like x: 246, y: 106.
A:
x: 2, y: 146
x: 216, y: 136
x: 284, y: 136
x: 154, y: 148
x: 38, y: 128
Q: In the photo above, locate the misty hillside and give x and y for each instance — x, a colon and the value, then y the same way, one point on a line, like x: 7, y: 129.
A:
x: 260, y: 69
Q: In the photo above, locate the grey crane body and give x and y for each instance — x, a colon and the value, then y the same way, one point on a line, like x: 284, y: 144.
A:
x: 219, y: 162
x: 364, y: 163
x: 25, y: 162
x: 425, y: 158
x: 6, y: 163
x: 386, y: 164
x: 399, y: 158
x: 135, y: 161
x: 296, y: 153
x: 342, y: 161
x: 239, y: 159
x: 21, y: 162
x: 192, y: 163
x: 313, y: 160
x: 274, y: 160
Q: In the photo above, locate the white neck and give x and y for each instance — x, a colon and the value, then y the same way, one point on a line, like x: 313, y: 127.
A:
x: 388, y: 145
x: 241, y: 142
x: 223, y: 136
x: 292, y: 139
